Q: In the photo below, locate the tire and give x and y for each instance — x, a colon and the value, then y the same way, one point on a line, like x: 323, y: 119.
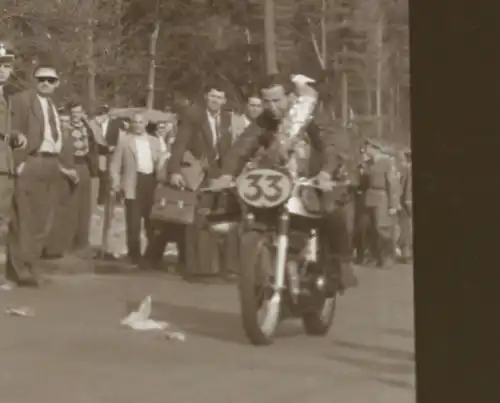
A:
x: 256, y: 261
x: 318, y: 323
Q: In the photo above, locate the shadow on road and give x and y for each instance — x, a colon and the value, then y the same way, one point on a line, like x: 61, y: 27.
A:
x: 385, y: 352
x: 375, y: 366
x: 385, y: 367
x: 222, y: 326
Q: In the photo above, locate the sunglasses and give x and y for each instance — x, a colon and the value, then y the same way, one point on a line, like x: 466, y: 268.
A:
x: 50, y: 80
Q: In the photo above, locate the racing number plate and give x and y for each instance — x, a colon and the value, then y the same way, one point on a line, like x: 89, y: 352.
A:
x: 264, y: 188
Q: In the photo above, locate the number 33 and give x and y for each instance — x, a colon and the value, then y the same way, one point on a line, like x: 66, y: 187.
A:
x: 264, y: 186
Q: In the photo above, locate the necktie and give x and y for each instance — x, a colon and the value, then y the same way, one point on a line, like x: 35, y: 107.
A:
x: 217, y: 136
x: 52, y: 121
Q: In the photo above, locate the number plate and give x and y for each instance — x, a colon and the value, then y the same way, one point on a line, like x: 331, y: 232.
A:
x: 264, y: 188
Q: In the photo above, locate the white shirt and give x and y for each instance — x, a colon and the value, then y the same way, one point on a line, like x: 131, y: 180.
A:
x: 163, y: 144
x: 104, y: 127
x: 145, y: 163
x: 214, y: 121
x: 49, y: 145
x: 246, y: 120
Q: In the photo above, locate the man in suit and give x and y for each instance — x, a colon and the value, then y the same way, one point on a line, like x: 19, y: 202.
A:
x: 8, y: 141
x: 261, y: 138
x: 134, y: 169
x: 361, y: 218
x: 72, y: 226
x: 205, y: 133
x: 106, y: 133
x: 406, y: 213
x: 381, y: 202
x: 253, y: 109
x: 37, y: 168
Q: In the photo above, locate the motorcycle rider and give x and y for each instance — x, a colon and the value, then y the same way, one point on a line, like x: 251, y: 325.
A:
x: 278, y: 93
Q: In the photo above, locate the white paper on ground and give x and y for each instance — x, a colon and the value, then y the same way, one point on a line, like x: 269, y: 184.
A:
x: 139, y: 320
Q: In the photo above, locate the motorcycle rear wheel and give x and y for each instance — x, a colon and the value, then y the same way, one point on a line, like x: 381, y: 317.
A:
x: 318, y: 323
x: 256, y: 262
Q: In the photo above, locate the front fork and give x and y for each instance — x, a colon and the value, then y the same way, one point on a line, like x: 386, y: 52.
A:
x: 281, y: 253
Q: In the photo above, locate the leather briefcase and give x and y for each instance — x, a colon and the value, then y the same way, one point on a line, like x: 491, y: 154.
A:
x: 174, y: 205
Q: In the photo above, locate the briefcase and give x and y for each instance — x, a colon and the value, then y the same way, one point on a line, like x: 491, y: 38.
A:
x: 174, y: 205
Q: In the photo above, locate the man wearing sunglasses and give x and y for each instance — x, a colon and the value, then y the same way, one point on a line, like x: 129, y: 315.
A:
x: 38, y: 168
x: 8, y: 141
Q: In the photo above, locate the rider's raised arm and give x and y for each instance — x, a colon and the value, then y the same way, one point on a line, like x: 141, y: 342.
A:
x: 242, y: 151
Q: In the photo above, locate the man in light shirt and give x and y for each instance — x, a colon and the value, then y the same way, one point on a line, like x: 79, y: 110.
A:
x: 133, y: 170
x: 38, y: 167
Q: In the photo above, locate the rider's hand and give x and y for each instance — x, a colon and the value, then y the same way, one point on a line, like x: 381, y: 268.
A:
x: 177, y: 180
x: 71, y: 174
x: 324, y: 180
x: 221, y: 182
x: 20, y: 168
x: 392, y: 211
x: 19, y: 141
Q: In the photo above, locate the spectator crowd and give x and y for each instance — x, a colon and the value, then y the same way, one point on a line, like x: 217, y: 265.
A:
x: 59, y: 167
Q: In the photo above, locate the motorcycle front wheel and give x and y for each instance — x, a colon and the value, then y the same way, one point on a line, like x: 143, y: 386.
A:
x: 259, y: 311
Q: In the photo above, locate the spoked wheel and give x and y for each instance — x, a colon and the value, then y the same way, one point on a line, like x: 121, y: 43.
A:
x: 260, y: 312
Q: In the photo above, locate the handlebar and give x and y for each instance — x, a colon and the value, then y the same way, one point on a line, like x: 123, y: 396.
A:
x: 309, y: 182
x: 207, y: 189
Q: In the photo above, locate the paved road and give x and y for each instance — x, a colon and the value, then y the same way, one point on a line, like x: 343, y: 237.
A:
x: 74, y: 350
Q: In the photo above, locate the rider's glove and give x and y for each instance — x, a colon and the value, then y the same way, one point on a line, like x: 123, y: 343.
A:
x: 221, y: 182
x: 324, y: 181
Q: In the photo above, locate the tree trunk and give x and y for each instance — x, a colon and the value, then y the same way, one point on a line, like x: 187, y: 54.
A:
x: 324, y: 47
x: 344, y: 90
x: 369, y: 101
x: 392, y: 111
x: 270, y: 37
x: 152, y: 66
x: 379, y: 74
x: 119, y: 36
x: 91, y: 69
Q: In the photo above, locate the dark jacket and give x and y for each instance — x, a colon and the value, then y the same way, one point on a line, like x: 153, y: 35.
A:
x: 27, y: 118
x: 195, y: 135
x: 260, y: 135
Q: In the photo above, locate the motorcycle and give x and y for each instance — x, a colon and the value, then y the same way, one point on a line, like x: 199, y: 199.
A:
x: 282, y: 269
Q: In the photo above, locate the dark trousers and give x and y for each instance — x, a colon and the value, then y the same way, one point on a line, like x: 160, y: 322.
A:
x: 380, y: 227
x: 138, y: 210
x: 35, y: 196
x: 335, y: 240
x: 163, y: 233
x: 58, y: 241
x: 6, y: 192
x: 361, y: 228
x: 79, y: 231
x: 202, y: 249
x: 104, y: 187
x: 71, y: 227
x: 406, y: 235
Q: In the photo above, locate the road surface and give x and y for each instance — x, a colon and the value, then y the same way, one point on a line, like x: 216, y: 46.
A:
x: 74, y: 351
